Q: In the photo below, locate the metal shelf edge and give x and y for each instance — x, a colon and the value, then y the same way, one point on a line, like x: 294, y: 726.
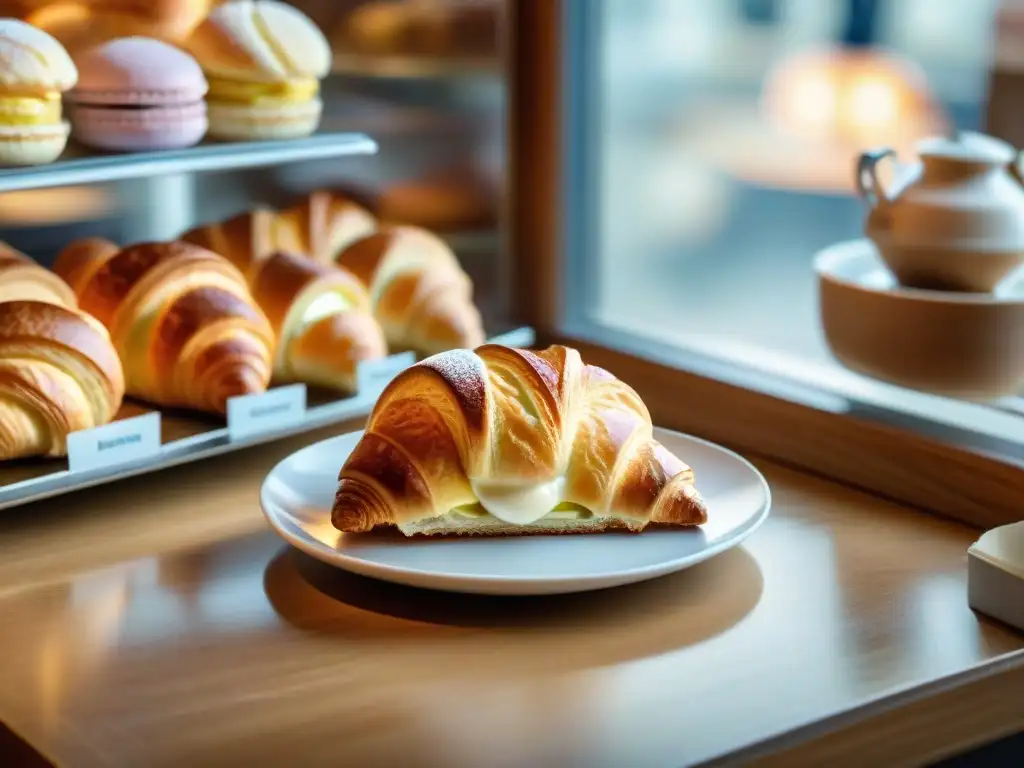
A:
x: 95, y: 169
x: 177, y: 452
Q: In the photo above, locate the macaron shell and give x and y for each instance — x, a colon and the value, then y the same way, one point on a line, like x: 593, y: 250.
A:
x: 266, y: 41
x: 246, y: 122
x: 140, y: 130
x: 32, y: 60
x: 32, y: 144
x: 138, y: 70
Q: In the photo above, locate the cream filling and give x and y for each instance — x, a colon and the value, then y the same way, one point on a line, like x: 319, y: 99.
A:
x: 300, y: 318
x: 323, y: 306
x: 315, y: 370
x: 564, y: 511
x: 519, y: 503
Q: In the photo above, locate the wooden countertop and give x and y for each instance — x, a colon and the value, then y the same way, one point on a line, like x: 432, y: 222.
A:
x: 159, y: 622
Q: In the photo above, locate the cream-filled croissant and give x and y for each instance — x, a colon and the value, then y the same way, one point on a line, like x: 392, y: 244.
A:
x: 505, y: 441
x: 59, y: 373
x: 22, y: 278
x: 181, y: 318
x: 421, y: 296
x: 321, y: 315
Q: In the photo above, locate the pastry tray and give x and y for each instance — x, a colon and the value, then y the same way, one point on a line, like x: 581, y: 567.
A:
x: 181, y: 438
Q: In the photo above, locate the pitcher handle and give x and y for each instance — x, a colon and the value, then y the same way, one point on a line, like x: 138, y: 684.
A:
x: 1015, y: 169
x: 868, y: 185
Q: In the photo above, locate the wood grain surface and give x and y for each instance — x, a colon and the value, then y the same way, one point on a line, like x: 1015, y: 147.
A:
x: 158, y: 622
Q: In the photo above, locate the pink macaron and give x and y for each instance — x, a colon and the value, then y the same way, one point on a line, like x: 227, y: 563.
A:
x: 136, y: 94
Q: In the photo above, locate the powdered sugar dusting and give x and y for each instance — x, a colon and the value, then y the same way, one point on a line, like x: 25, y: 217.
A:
x: 596, y: 374
x: 464, y: 372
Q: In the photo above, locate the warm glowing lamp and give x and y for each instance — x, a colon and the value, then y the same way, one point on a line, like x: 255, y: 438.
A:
x: 853, y: 98
x: 843, y: 99
x: 820, y: 108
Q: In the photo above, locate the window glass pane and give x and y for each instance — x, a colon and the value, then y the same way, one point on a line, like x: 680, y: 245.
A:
x: 729, y: 132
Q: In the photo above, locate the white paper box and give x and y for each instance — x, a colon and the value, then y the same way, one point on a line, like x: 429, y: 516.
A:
x: 995, y: 574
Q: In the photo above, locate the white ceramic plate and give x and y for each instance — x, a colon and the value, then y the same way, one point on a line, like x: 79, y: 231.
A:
x: 298, y: 493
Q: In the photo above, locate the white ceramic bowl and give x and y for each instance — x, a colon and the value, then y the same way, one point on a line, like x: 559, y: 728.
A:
x: 965, y: 345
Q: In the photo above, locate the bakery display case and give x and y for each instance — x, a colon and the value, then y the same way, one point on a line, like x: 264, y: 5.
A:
x: 792, y: 538
x: 326, y: 262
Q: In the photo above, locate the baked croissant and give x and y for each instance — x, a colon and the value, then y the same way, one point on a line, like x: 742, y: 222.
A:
x: 503, y: 441
x: 324, y: 224
x: 22, y: 278
x: 320, y: 226
x: 321, y: 315
x: 181, y: 318
x: 245, y: 240
x: 421, y: 296
x: 59, y: 373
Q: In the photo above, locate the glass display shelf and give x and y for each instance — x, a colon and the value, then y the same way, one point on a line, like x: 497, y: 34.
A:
x: 78, y: 166
x: 187, y: 438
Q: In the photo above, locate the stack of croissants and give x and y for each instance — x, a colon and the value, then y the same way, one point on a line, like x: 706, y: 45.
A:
x: 300, y: 295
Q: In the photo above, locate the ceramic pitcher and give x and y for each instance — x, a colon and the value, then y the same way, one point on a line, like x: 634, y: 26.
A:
x: 955, y: 220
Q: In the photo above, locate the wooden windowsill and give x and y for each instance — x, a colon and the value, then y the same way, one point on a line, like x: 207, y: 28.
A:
x: 158, y: 621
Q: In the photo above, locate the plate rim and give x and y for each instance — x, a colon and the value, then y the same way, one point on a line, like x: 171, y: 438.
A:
x: 457, y: 581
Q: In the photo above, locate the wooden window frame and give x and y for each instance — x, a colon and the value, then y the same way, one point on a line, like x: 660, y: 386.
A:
x: 948, y: 472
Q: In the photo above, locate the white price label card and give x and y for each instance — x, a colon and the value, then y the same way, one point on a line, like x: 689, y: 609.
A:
x: 373, y: 375
x: 270, y: 411
x: 522, y: 338
x: 115, y: 443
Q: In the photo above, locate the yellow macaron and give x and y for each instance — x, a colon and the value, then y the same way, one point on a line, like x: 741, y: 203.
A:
x: 263, y: 62
x: 35, y: 70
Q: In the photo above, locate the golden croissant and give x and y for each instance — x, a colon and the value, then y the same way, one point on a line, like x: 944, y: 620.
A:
x: 421, y: 296
x: 81, y: 24
x: 321, y: 315
x: 319, y: 226
x: 59, y: 373
x: 22, y: 278
x: 324, y: 224
x: 181, y: 318
x: 503, y: 441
